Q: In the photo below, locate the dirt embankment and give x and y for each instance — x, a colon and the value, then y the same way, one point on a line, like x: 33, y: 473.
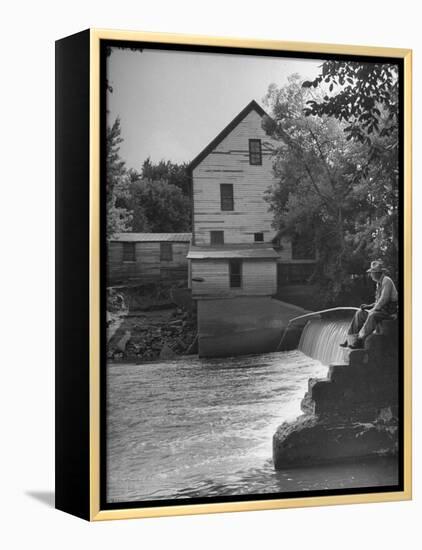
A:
x: 150, y: 322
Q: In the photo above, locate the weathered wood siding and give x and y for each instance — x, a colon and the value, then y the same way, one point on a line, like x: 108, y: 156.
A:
x: 259, y: 278
x: 147, y: 265
x: 229, y: 163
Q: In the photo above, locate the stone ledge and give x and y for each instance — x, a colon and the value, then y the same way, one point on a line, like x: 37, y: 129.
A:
x: 345, y: 413
x: 308, y: 441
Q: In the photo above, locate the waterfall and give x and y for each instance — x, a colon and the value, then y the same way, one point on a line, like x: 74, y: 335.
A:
x: 321, y: 339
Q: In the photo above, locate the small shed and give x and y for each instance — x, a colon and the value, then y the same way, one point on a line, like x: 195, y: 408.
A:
x: 148, y: 257
x: 232, y: 270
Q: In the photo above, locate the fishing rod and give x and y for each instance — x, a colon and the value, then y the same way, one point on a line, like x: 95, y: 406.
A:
x: 313, y: 314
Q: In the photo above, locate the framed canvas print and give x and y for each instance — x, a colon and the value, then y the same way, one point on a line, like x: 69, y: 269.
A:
x: 233, y: 274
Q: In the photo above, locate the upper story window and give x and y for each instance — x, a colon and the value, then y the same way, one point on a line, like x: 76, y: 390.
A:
x: 217, y: 237
x: 166, y: 252
x: 259, y: 237
x: 226, y: 196
x: 129, y: 252
x: 255, y: 152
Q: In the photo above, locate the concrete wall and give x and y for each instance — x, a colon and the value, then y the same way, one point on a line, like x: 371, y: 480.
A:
x: 240, y: 326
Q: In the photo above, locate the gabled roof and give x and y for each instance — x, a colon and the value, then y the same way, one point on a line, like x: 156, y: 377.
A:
x: 152, y: 237
x: 252, y: 106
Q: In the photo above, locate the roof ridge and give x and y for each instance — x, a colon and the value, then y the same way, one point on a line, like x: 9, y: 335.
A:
x: 145, y: 236
x: 251, y: 106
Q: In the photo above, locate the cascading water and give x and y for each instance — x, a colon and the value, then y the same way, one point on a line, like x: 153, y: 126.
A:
x: 321, y: 339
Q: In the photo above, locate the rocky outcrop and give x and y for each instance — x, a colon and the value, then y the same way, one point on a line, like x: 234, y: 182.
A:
x: 149, y: 336
x: 149, y: 322
x: 351, y: 413
x: 116, y: 311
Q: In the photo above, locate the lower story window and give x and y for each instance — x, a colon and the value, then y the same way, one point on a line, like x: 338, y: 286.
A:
x: 166, y: 252
x: 235, y: 271
x: 129, y: 252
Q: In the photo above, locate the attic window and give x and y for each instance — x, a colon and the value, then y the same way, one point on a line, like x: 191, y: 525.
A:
x: 259, y: 237
x: 255, y: 152
x: 128, y: 252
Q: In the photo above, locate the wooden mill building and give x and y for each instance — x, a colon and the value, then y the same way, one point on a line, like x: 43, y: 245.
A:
x: 148, y: 257
x: 237, y: 263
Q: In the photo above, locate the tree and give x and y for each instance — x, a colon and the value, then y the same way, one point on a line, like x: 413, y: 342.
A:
x: 117, y: 183
x: 156, y: 200
x: 158, y: 206
x: 366, y: 97
x: 321, y: 192
x: 146, y: 202
x: 174, y: 174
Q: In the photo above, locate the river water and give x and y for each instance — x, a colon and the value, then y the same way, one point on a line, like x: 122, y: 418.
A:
x: 203, y: 427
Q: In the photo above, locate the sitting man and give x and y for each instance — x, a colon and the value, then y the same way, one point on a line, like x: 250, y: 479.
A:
x: 365, y: 320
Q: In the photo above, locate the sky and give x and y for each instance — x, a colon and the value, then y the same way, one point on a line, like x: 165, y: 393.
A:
x: 172, y: 104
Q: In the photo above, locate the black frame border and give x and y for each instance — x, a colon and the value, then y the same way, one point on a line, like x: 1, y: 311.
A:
x: 105, y: 43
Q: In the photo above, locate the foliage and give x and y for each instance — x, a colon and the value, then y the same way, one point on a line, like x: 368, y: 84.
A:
x: 117, y: 183
x: 174, y: 174
x: 154, y: 201
x: 339, y: 192
x: 158, y: 206
x: 366, y: 98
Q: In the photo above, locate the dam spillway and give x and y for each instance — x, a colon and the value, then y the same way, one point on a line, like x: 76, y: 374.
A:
x: 353, y: 412
x: 321, y: 339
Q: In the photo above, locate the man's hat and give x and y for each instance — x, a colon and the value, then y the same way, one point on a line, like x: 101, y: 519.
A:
x: 377, y: 266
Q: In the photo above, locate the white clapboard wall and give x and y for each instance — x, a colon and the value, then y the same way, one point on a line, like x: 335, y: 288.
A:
x: 229, y: 163
x: 212, y: 278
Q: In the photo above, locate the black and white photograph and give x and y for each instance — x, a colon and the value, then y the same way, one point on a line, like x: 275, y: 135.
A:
x: 252, y: 302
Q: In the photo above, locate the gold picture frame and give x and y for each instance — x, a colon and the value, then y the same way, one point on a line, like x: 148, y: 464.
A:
x: 91, y: 508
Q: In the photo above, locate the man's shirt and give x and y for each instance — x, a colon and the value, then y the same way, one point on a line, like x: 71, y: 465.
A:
x: 385, y: 292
